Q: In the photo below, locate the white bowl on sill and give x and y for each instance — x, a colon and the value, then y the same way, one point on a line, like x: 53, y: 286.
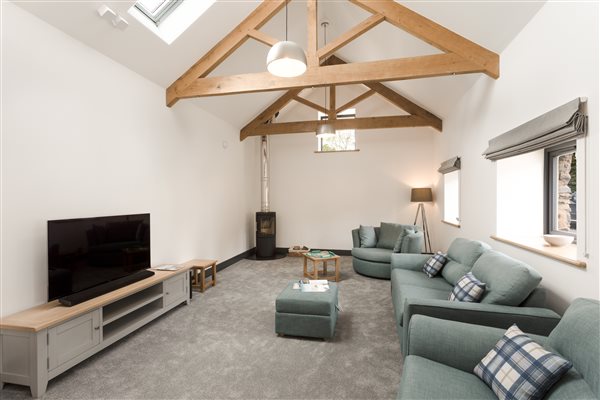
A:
x: 558, y: 240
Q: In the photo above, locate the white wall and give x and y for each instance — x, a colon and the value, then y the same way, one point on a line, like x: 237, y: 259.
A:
x: 553, y: 60
x: 84, y: 136
x: 320, y: 198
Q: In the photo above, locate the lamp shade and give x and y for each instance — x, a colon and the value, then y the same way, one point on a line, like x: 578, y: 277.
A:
x: 325, y: 131
x: 421, y: 195
x: 286, y: 59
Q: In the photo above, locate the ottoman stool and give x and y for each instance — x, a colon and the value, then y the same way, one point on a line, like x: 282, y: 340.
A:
x: 310, y: 314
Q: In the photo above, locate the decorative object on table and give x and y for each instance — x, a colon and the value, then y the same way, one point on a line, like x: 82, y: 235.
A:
x: 314, y: 285
x: 558, y: 240
x: 323, y: 257
x: 519, y: 368
x: 286, y: 58
x: 297, y: 251
x: 421, y: 195
x: 434, y: 264
x: 468, y: 289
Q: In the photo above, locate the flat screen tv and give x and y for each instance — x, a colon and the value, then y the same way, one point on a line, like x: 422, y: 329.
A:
x: 85, y: 253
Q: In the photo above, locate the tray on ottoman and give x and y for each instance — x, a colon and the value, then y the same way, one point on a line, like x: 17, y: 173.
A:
x: 309, y: 314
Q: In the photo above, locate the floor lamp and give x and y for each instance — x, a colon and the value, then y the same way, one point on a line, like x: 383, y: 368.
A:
x: 421, y: 195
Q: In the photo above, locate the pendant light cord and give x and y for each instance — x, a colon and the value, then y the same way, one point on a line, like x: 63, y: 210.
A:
x: 286, y: 21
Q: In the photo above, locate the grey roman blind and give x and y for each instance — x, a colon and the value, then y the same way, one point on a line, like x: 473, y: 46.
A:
x: 450, y: 165
x: 567, y: 122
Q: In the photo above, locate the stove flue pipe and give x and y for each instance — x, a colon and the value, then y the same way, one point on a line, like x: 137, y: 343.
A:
x: 264, y: 174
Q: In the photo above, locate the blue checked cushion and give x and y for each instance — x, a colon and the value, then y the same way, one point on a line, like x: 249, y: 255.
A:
x: 519, y: 368
x: 468, y: 288
x: 434, y: 264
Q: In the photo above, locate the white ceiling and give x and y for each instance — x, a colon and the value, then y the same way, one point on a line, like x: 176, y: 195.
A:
x: 490, y: 24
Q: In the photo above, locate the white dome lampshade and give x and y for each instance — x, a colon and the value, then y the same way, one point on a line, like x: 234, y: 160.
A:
x: 325, y: 131
x: 286, y: 59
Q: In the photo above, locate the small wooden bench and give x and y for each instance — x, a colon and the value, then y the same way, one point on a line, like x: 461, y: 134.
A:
x: 199, y: 268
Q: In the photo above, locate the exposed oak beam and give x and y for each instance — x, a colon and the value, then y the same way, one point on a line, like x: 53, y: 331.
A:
x: 402, y: 121
x: 350, y: 35
x: 385, y: 70
x: 312, y: 34
x: 257, y: 18
x: 433, y: 33
x: 311, y: 104
x: 331, y: 114
x: 355, y: 101
x: 262, y: 37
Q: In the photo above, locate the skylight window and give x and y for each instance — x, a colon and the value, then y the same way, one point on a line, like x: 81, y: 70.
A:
x: 157, y: 10
x: 168, y: 19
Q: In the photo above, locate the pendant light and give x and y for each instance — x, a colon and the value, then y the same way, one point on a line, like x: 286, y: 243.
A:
x: 326, y: 130
x: 286, y: 59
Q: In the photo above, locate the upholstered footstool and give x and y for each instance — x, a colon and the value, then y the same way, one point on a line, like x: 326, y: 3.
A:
x: 306, y: 314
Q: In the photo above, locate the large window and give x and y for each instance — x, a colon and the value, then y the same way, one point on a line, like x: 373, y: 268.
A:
x: 344, y: 139
x: 561, y: 189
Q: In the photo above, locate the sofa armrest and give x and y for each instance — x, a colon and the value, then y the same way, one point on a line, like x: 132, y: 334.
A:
x: 456, y: 344
x: 532, y: 320
x: 355, y: 238
x: 409, y: 261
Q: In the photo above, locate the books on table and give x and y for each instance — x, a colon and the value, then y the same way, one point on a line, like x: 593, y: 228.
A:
x: 321, y: 253
x: 315, y: 285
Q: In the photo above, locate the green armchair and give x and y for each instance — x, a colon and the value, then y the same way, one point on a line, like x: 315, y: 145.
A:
x: 442, y: 354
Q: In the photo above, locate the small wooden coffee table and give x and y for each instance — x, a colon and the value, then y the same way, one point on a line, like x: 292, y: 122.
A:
x: 199, y: 268
x: 314, y: 274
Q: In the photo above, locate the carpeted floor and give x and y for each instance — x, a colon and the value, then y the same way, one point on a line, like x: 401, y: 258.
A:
x: 223, y: 346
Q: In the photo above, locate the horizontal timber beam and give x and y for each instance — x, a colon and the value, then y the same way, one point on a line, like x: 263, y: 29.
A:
x: 402, y: 121
x: 343, y: 74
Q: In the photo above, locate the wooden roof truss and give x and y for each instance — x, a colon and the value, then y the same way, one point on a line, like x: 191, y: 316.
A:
x: 460, y: 56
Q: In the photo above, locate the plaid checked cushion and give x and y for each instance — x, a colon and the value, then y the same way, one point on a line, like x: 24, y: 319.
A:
x: 434, y: 264
x: 468, y: 288
x: 519, y: 368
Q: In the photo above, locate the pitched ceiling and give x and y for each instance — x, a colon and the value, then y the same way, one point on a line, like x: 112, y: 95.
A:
x: 491, y: 24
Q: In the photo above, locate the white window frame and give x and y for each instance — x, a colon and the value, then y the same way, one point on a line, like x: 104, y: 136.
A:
x: 452, y: 198
x: 349, y: 113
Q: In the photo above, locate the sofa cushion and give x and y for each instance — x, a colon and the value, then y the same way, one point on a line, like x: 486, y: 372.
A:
x: 412, y: 243
x: 426, y: 379
x: 367, y: 236
x: 434, y: 264
x: 419, y: 279
x: 388, y: 235
x: 462, y: 254
x: 373, y: 254
x: 403, y: 292
x: 509, y: 281
x: 519, y: 368
x: 571, y: 386
x: 468, y: 289
x: 405, y: 232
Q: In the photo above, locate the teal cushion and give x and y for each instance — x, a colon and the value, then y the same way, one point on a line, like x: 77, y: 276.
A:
x: 373, y: 254
x: 400, y: 240
x: 419, y: 279
x: 412, y: 243
x: 508, y: 281
x: 367, y: 236
x: 388, y: 235
x: 426, y: 379
x: 462, y: 254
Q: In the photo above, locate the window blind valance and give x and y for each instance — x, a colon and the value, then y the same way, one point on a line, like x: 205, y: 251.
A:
x: 562, y: 124
x: 450, y: 165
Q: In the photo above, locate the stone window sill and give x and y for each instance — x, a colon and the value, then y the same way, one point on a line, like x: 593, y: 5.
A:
x: 566, y: 254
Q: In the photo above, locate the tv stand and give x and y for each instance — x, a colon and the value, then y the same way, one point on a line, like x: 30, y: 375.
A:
x: 42, y: 342
x: 80, y: 297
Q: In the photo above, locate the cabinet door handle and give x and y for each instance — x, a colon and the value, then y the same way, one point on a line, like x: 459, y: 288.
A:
x: 96, y: 328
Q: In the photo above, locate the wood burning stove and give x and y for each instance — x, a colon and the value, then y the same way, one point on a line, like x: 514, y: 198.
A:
x: 265, y: 234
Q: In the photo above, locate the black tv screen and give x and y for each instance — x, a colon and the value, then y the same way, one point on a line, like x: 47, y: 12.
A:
x: 87, y: 252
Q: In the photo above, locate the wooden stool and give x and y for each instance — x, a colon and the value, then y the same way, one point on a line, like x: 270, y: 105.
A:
x: 199, y: 270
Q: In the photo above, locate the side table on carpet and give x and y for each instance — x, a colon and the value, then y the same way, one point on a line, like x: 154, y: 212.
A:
x: 309, y: 314
x: 315, y: 258
x: 198, y: 269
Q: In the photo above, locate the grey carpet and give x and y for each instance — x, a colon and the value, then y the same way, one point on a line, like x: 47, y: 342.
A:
x: 223, y: 346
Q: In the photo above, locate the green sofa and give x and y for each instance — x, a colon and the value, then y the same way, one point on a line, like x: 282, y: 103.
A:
x: 441, y: 356
x: 376, y: 261
x: 512, y: 294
